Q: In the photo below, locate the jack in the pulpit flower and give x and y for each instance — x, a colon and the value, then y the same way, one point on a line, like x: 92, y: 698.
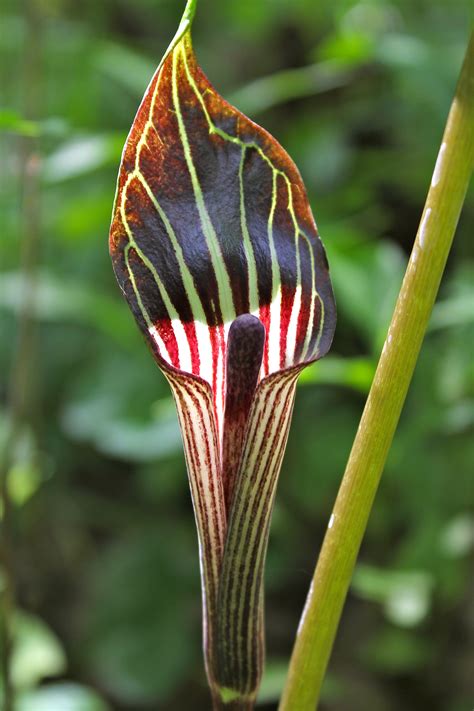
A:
x: 216, y: 250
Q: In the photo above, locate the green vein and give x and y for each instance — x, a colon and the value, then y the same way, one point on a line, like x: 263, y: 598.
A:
x: 172, y: 313
x: 146, y: 261
x: 248, y: 247
x: 213, y: 129
x: 186, y: 276
x: 275, y: 262
x: 145, y: 314
x: 276, y: 272
x: 222, y: 276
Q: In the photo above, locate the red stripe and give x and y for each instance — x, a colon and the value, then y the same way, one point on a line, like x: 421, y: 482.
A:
x: 287, y: 301
x: 264, y: 315
x: 167, y: 334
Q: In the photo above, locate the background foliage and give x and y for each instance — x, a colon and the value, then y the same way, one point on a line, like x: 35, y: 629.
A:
x: 105, y: 554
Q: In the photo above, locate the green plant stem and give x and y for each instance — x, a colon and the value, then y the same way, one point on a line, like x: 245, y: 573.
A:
x: 184, y: 26
x: 348, y: 522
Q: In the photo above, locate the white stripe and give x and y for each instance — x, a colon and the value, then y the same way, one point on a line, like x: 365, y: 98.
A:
x: 274, y: 333
x: 160, y: 343
x: 203, y: 338
x: 184, y: 349
x: 275, y: 305
x: 292, y: 327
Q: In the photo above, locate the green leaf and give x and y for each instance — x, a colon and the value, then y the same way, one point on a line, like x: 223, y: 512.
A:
x: 405, y: 595
x: 457, y: 537
x: 37, y: 653
x: 57, y: 299
x: 98, y: 420
x: 141, y: 637
x: 367, y: 281
x: 396, y: 651
x: 124, y: 66
x: 356, y: 373
x: 82, y: 155
x: 12, y: 122
x: 265, y: 93
x: 65, y: 696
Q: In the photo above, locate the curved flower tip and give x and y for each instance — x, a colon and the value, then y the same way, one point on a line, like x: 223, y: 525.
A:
x: 215, y: 247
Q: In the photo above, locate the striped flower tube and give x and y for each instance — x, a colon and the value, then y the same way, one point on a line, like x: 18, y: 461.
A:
x: 215, y: 248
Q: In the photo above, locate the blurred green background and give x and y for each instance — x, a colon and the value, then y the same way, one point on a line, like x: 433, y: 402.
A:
x: 103, y: 545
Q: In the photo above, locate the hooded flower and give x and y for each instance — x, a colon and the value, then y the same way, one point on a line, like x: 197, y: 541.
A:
x: 216, y: 251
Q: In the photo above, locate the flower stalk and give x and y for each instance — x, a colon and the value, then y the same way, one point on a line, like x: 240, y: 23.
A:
x: 354, y: 501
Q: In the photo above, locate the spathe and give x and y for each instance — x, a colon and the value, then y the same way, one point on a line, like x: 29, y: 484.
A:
x: 215, y: 248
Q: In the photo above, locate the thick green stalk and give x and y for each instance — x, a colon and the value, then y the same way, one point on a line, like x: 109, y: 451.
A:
x: 184, y: 25
x: 385, y: 401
